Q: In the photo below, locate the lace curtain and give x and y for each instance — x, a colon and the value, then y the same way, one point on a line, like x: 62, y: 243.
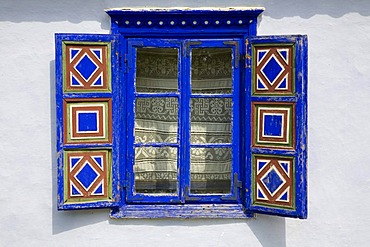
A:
x: 157, y: 120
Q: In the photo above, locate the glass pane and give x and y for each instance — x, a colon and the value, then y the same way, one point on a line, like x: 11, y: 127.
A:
x: 211, y: 120
x: 210, y: 170
x: 211, y: 70
x: 156, y: 70
x: 156, y: 120
x: 155, y: 170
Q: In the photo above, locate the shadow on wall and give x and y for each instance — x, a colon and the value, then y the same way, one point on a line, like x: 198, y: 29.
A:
x: 93, y: 10
x: 270, y: 231
x: 68, y: 220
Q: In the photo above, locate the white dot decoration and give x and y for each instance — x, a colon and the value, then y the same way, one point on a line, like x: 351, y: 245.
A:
x: 194, y: 22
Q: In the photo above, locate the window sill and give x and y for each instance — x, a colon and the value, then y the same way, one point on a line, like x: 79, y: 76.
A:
x: 228, y: 211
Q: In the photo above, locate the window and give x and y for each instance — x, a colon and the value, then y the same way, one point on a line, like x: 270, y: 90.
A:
x: 182, y: 113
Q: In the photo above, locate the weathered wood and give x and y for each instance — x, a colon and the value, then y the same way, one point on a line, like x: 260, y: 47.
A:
x: 269, y: 81
x: 277, y: 160
x: 87, y: 120
x: 187, y: 211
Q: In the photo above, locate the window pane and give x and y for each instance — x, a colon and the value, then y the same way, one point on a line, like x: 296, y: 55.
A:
x: 155, y: 170
x: 156, y: 119
x: 210, y: 170
x: 156, y: 70
x: 211, y: 120
x: 211, y: 70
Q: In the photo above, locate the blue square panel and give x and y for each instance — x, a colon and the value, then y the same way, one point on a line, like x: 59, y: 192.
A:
x: 88, y: 121
x: 273, y: 125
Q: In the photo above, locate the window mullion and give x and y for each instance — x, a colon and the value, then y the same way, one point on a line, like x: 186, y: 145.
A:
x: 184, y: 86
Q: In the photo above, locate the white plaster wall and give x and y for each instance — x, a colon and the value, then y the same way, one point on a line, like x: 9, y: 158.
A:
x: 339, y: 115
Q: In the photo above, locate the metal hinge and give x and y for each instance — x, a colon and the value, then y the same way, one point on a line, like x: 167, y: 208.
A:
x: 247, y: 55
x: 237, y: 56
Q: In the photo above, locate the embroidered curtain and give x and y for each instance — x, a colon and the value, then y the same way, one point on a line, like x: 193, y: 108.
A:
x: 157, y: 119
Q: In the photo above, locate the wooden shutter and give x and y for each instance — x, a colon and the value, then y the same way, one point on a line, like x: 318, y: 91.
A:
x: 276, y: 126
x: 86, y: 111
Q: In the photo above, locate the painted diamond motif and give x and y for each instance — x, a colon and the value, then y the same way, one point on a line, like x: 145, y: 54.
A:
x: 272, y: 69
x: 87, y: 173
x: 86, y: 67
x: 272, y: 181
x: 86, y: 176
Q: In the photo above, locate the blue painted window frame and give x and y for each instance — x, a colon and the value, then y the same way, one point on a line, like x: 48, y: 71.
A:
x: 184, y: 95
x: 132, y: 28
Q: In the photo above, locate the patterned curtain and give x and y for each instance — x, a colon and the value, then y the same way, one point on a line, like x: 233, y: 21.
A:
x: 156, y: 120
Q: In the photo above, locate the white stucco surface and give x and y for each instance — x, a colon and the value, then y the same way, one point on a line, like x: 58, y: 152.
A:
x: 339, y: 115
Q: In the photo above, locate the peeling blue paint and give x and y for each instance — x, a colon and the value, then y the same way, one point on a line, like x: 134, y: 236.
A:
x: 184, y: 28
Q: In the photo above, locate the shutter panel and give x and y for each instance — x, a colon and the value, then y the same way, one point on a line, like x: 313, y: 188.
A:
x: 277, y: 146
x: 86, y: 109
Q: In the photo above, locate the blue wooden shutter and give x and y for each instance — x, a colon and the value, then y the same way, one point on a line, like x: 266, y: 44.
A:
x: 276, y: 142
x: 87, y: 120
